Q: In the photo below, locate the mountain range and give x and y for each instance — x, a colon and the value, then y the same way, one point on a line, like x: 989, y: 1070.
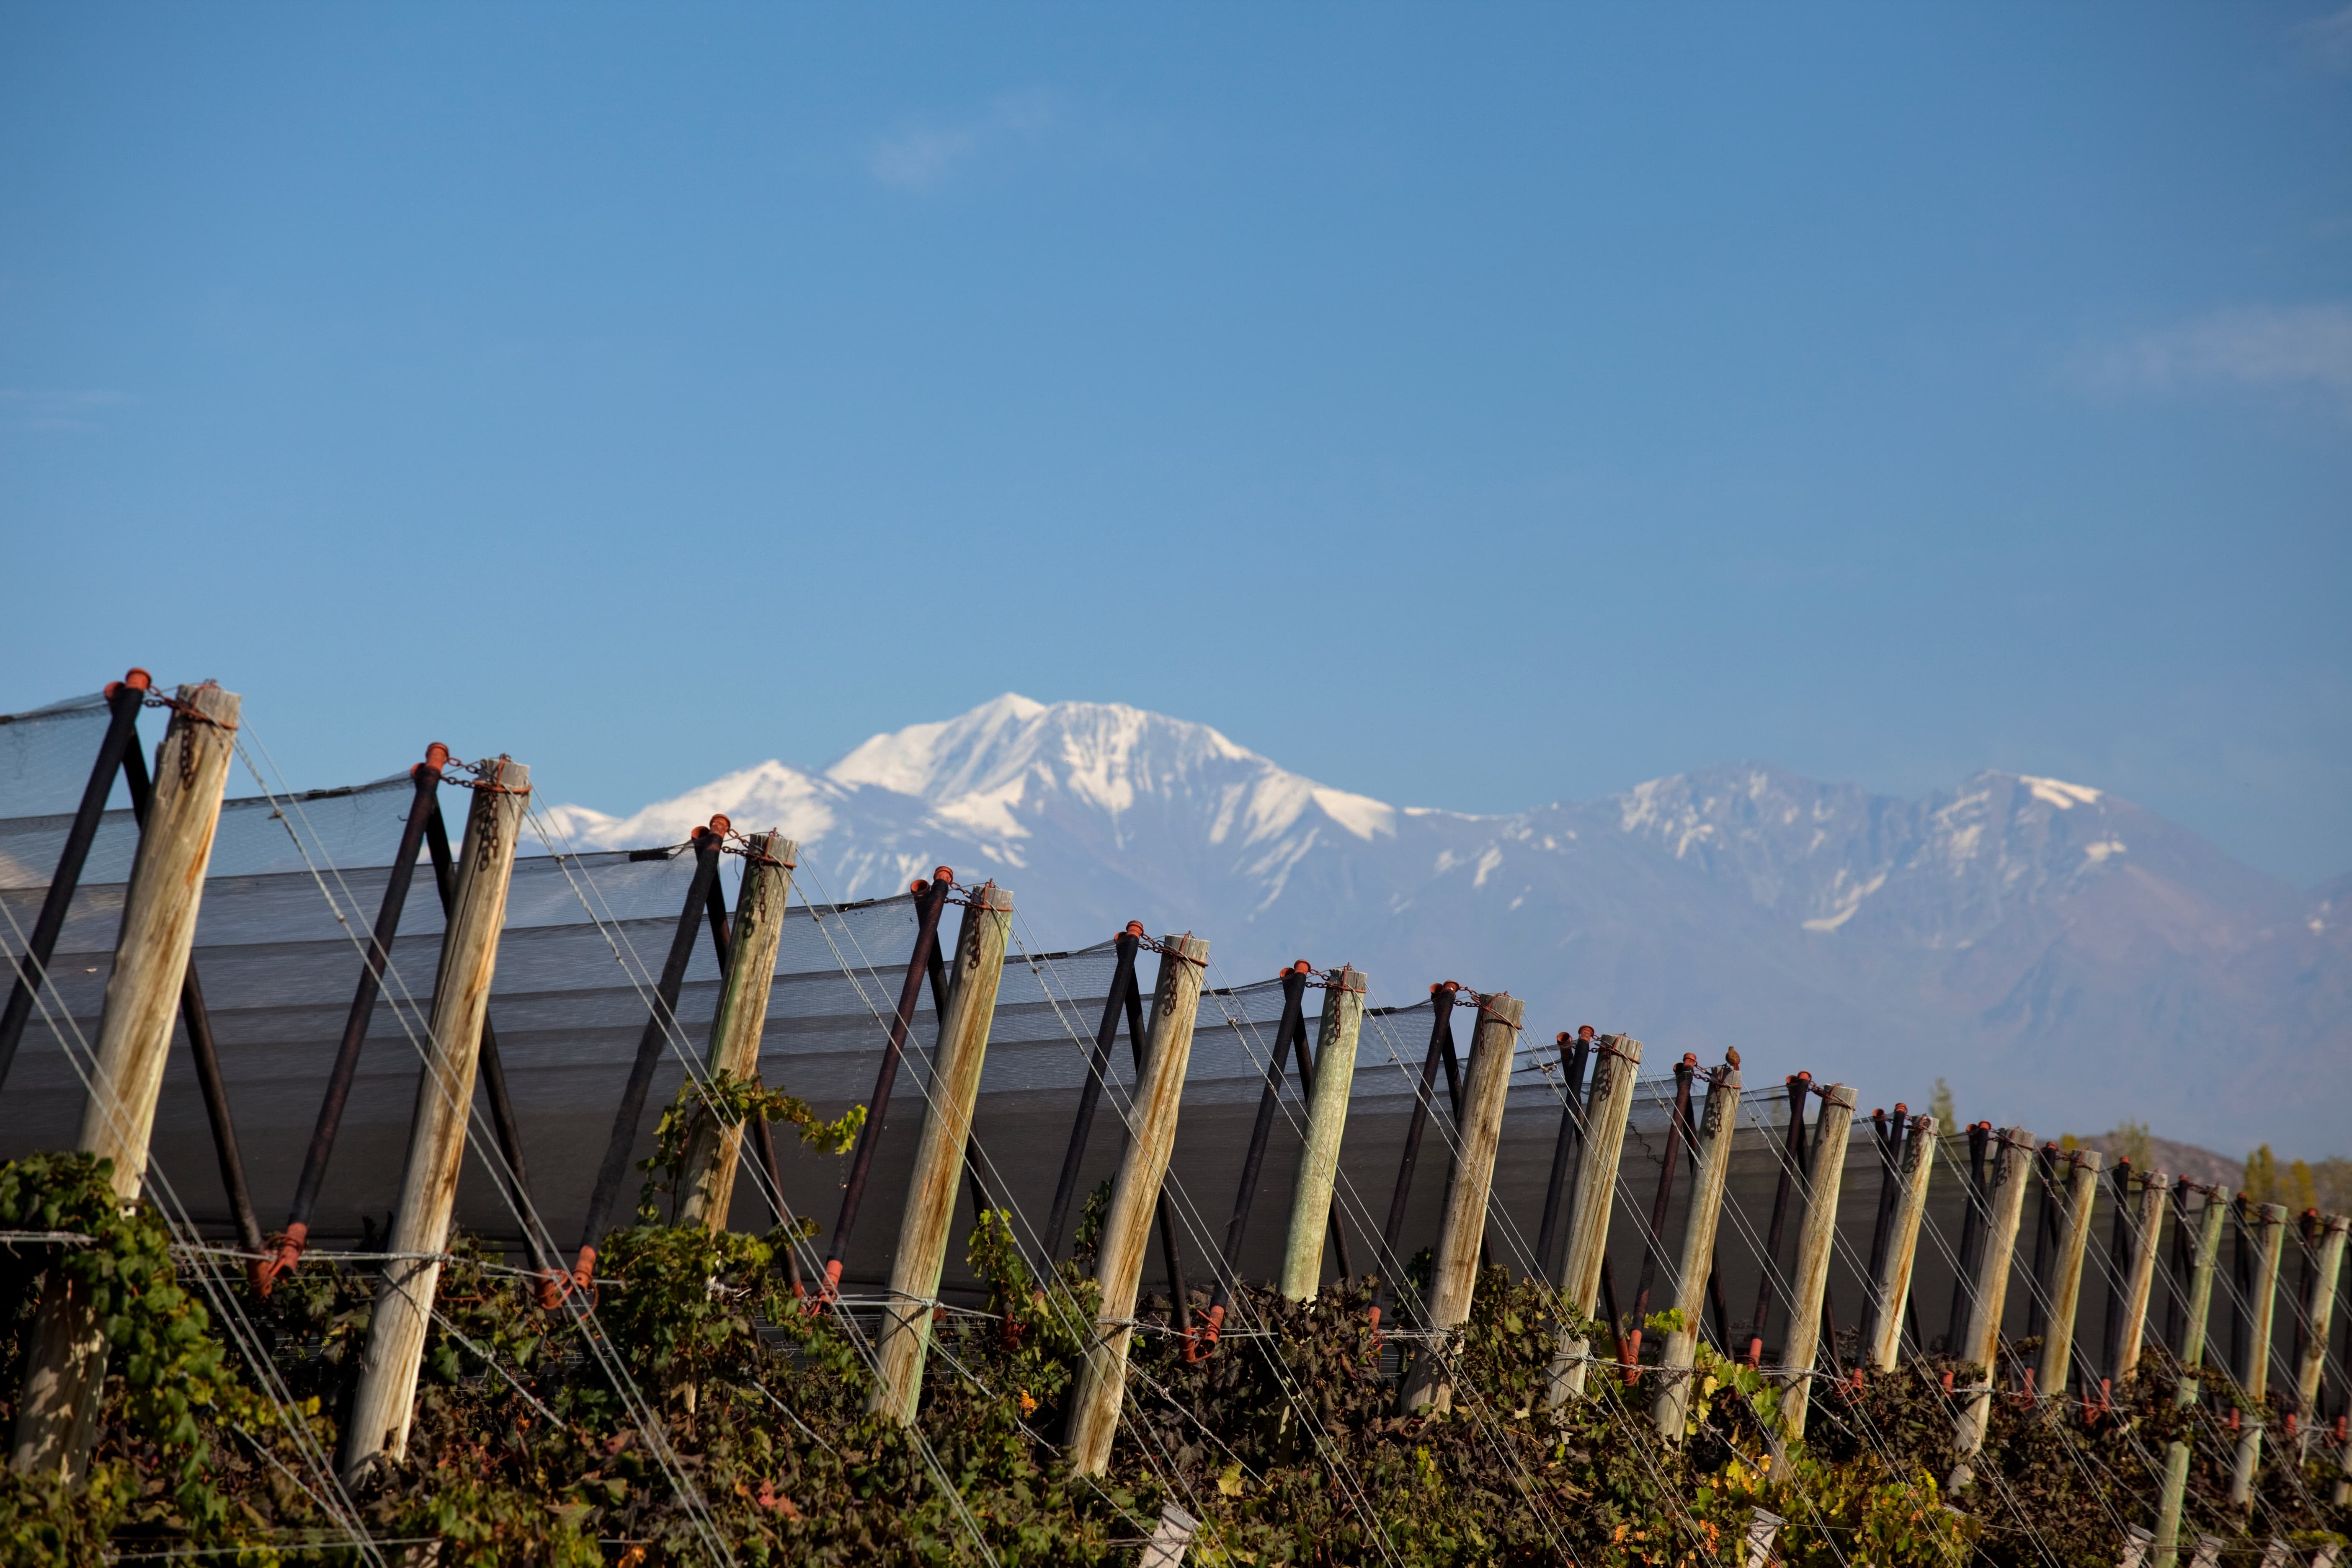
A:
x: 2063, y: 958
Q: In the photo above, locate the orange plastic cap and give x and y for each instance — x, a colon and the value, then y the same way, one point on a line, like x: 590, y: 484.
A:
x: 942, y: 873
x: 720, y: 822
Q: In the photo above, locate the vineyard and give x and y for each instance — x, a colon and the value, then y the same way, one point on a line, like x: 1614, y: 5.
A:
x: 1527, y: 1303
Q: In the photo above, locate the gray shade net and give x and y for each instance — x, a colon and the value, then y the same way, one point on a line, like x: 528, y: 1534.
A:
x: 295, y: 884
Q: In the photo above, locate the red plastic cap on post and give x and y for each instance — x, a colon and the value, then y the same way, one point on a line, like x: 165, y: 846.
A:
x: 1135, y: 928
x: 942, y: 873
x: 134, y: 677
x: 720, y: 823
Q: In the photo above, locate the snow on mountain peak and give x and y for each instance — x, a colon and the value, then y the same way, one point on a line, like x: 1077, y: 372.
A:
x: 2058, y: 793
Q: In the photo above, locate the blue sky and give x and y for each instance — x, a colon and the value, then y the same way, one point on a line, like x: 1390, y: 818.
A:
x: 1471, y: 407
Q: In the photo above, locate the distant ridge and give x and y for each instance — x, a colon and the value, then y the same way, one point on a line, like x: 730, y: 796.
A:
x: 2062, y: 957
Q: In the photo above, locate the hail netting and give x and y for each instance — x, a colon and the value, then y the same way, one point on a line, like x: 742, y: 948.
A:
x: 278, y: 968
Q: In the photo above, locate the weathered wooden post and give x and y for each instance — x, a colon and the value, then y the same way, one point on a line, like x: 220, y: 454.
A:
x: 715, y: 1151
x: 386, y: 1399
x: 1980, y: 1341
x: 1671, y: 1410
x: 1809, y: 1282
x: 1892, y: 1286
x: 923, y: 1225
x: 65, y: 1364
x: 2258, y: 1363
x: 1607, y: 1103
x: 2066, y: 1288
x: 1327, y: 1123
x: 1454, y: 1277
x: 2140, y: 1285
x: 1135, y: 1200
x: 2205, y: 1250
x: 2327, y: 1267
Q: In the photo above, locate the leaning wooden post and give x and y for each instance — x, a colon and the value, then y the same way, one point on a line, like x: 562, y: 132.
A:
x: 387, y: 1400
x: 2258, y: 1368
x: 2139, y: 1286
x: 2206, y: 1249
x: 1617, y: 1062
x: 940, y: 1157
x: 1135, y: 1201
x: 1810, y: 1281
x: 1980, y: 1341
x: 1893, y: 1286
x: 65, y: 1365
x: 2327, y: 1267
x: 1327, y: 1122
x: 1454, y: 1277
x: 2066, y: 1288
x: 1718, y: 1122
x: 714, y: 1151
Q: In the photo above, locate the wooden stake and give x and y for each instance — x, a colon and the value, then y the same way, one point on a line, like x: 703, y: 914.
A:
x: 1326, y: 1123
x: 714, y: 1153
x: 1720, y: 1121
x: 2140, y: 1285
x: 1893, y: 1286
x: 923, y: 1224
x: 1454, y: 1278
x: 1135, y: 1200
x: 1610, y: 1100
x: 2327, y: 1267
x: 386, y: 1399
x: 2258, y: 1365
x: 1980, y: 1341
x: 1809, y: 1281
x: 2066, y: 1289
x: 65, y: 1365
x: 2205, y: 1250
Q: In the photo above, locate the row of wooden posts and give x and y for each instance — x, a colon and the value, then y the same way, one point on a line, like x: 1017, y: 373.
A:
x: 66, y: 1366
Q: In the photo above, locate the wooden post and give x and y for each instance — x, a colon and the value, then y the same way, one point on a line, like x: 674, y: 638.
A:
x: 940, y: 1157
x: 715, y: 1151
x: 1610, y: 1100
x: 1327, y: 1122
x: 386, y: 1399
x: 65, y: 1364
x: 1809, y: 1282
x: 1893, y: 1286
x: 2258, y: 1363
x: 2327, y: 1267
x: 1671, y: 1409
x: 2066, y: 1289
x: 1454, y: 1277
x: 2140, y: 1285
x: 1980, y: 1341
x: 2205, y: 1250
x: 1135, y: 1201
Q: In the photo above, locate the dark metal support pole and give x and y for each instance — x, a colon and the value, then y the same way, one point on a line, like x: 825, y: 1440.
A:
x: 1122, y: 983
x: 1573, y: 1055
x: 763, y: 1142
x: 198, y: 1020
x: 1972, y: 1236
x: 1306, y: 1096
x: 2045, y: 1239
x: 424, y: 812
x: 1441, y: 1037
x: 2119, y: 1262
x: 928, y: 906
x: 659, y: 1021
x: 1792, y: 1161
x: 1659, y: 1204
x: 1887, y: 1138
x: 1269, y: 1100
x: 122, y: 699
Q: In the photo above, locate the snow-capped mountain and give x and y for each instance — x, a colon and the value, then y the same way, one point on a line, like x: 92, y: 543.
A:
x: 2065, y: 959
